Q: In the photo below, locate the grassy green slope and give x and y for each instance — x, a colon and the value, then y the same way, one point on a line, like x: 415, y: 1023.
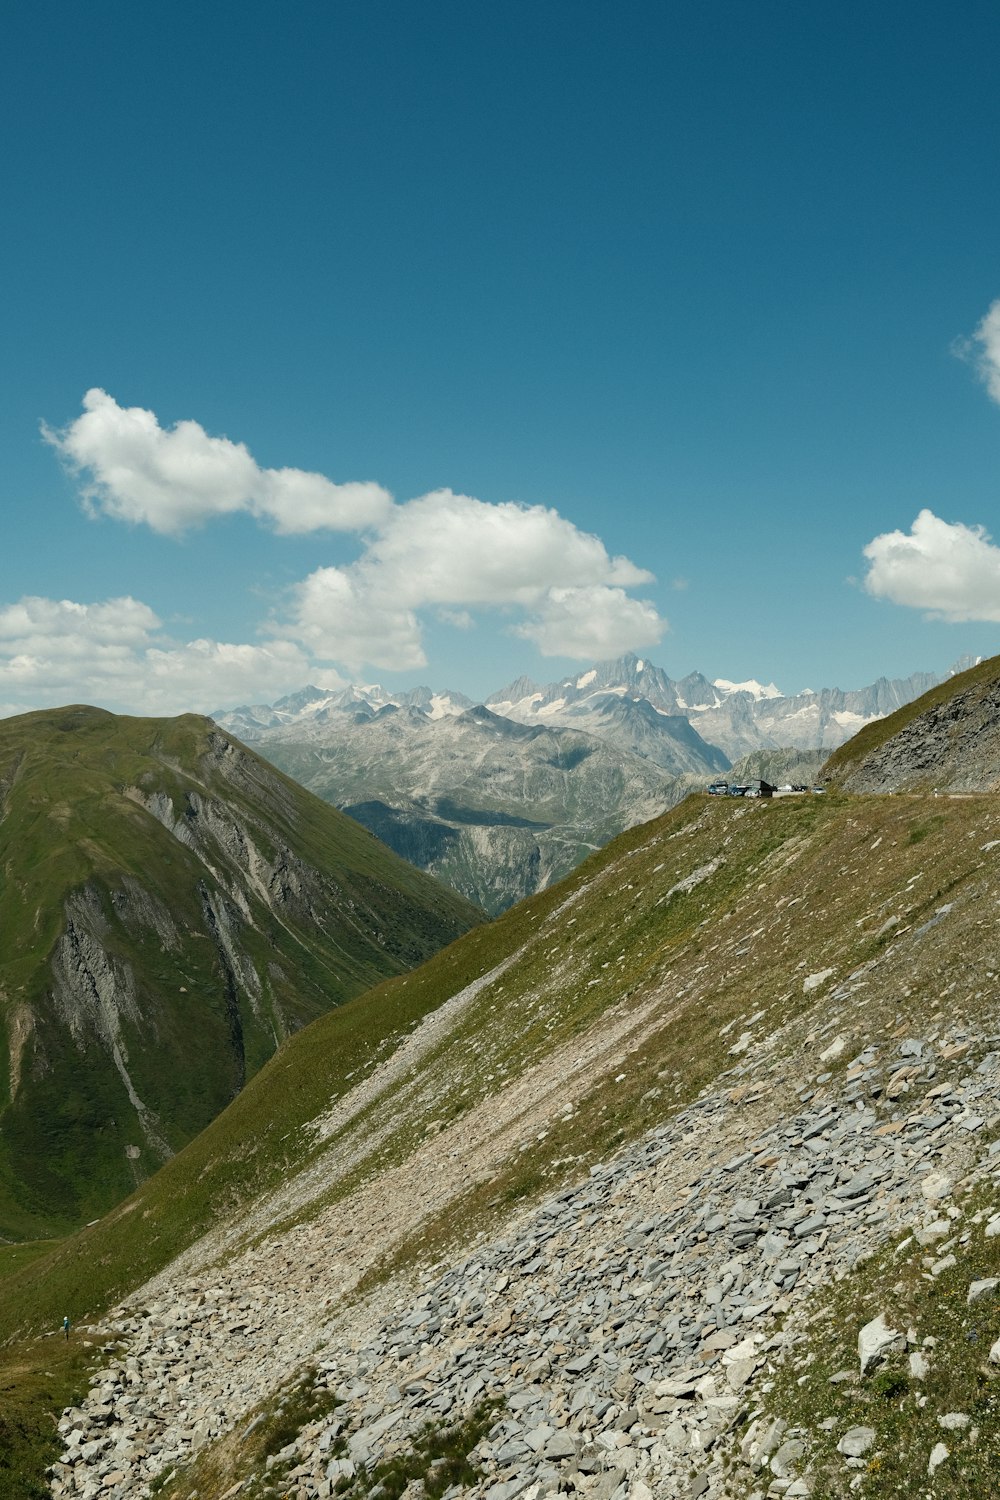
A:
x: 795, y: 887
x: 79, y: 853
x: 698, y: 928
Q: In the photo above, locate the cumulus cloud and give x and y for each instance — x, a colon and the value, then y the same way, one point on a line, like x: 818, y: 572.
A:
x: 455, y: 553
x: 170, y: 479
x: 949, y: 569
x: 983, y: 350
x: 345, y: 617
x: 453, y: 549
x: 443, y: 553
x: 591, y: 622
x: 116, y: 654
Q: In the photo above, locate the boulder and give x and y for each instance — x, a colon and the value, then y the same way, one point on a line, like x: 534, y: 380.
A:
x: 877, y: 1340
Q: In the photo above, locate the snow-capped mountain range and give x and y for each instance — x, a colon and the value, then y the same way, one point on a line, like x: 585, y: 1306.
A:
x: 622, y: 702
x: 502, y: 799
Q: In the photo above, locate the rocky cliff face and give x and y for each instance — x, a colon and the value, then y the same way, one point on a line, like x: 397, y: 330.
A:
x: 948, y: 741
x: 172, y: 909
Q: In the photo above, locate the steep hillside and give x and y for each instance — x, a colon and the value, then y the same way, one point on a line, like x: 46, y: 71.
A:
x: 495, y: 809
x: 947, y: 740
x: 591, y: 1183
x: 171, y: 909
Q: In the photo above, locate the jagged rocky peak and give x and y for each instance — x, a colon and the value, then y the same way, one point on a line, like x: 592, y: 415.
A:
x: 515, y: 692
x: 365, y: 748
x: 732, y: 717
x: 695, y: 691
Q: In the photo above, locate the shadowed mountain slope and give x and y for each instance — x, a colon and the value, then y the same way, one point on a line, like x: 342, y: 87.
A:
x: 171, y: 909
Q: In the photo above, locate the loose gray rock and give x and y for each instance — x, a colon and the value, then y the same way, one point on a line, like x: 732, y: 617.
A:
x: 876, y: 1341
x: 856, y: 1441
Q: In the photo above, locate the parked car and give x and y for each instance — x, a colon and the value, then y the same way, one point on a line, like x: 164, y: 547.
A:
x: 738, y: 791
x: 718, y: 789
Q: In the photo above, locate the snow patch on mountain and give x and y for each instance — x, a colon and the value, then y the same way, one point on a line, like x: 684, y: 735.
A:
x: 756, y: 689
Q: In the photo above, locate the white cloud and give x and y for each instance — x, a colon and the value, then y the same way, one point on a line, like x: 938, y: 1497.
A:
x: 453, y: 549
x: 456, y: 553
x: 592, y: 622
x: 345, y: 618
x: 949, y: 569
x: 171, y: 479
x: 115, y: 654
x: 983, y: 349
x: 446, y: 553
x: 35, y: 623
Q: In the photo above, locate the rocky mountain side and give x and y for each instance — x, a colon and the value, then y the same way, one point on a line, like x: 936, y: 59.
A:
x: 312, y: 707
x: 171, y: 909
x: 635, y: 1360
x: 495, y: 809
x: 601, y: 1200
x: 949, y: 741
x: 779, y: 767
x: 683, y: 725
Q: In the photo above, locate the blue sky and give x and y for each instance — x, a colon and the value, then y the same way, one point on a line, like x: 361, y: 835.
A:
x: 499, y: 339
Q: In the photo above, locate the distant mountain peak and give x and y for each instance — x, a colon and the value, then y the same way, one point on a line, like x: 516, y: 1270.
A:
x: 729, y: 717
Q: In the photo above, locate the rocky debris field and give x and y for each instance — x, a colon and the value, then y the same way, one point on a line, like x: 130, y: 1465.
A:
x: 622, y: 1341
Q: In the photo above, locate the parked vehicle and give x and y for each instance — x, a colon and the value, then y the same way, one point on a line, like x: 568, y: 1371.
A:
x: 718, y: 789
x: 738, y: 791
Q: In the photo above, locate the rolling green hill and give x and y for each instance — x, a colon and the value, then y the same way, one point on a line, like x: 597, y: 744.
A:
x: 171, y: 910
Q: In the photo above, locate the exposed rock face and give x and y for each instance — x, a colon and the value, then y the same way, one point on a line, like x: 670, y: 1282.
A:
x: 953, y: 746
x: 94, y: 993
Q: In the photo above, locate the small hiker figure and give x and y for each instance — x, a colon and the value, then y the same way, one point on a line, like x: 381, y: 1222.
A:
x: 65, y: 1328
